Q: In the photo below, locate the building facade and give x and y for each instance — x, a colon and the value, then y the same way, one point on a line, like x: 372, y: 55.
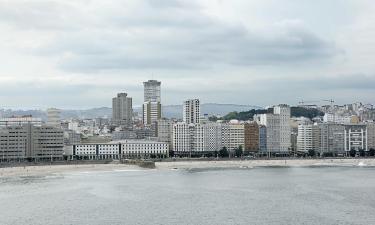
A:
x: 152, y: 102
x: 31, y: 142
x: 278, y: 128
x: 191, y: 111
x: 122, y: 110
x: 370, y: 135
x: 251, y: 137
x: 151, y: 112
x: 305, y: 138
x: 152, y: 91
x: 164, y: 131
x: 355, y: 137
x: 120, y: 150
x: 332, y: 138
x: 196, y: 139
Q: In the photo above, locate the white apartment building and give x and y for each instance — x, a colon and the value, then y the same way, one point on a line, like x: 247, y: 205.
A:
x: 336, y: 118
x: 121, y: 149
x: 196, y: 138
x: 305, y: 137
x: 182, y: 137
x: 285, y: 130
x: 278, y: 128
x: 233, y: 135
x: 191, y: 111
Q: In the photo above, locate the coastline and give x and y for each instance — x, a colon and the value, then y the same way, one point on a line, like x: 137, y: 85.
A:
x: 334, y: 162
x: 44, y: 170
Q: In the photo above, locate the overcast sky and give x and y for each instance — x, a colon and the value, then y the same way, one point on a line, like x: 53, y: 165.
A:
x: 80, y: 53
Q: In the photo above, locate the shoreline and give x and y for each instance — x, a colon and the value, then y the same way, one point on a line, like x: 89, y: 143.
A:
x: 334, y: 162
x: 60, y: 169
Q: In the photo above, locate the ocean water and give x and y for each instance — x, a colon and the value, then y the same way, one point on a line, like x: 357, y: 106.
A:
x: 322, y: 195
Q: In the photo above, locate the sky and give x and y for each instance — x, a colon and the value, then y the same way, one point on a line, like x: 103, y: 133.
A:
x: 76, y: 54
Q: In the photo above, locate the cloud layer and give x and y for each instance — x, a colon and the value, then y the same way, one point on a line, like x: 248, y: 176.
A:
x: 196, y: 48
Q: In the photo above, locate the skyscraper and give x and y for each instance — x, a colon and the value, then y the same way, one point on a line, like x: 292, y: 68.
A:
x: 191, y: 111
x: 152, y: 104
x: 122, y: 110
x: 152, y: 91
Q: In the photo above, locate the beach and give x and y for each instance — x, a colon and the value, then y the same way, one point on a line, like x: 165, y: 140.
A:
x: 43, y: 170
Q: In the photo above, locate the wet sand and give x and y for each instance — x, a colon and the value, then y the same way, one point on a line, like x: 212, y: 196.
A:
x: 43, y: 170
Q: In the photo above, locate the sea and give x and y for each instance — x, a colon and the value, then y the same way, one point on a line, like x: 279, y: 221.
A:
x: 266, y: 195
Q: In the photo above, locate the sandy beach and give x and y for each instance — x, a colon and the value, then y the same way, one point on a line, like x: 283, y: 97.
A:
x: 43, y: 170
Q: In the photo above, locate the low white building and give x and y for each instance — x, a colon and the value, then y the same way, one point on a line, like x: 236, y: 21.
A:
x: 120, y: 149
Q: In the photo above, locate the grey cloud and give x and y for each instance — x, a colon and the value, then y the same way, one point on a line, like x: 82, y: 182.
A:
x: 166, y: 35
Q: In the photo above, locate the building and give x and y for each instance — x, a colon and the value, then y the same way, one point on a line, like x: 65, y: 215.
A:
x: 251, y: 137
x: 164, y: 131
x: 278, y: 129
x: 305, y: 138
x: 152, y: 91
x: 30, y: 142
x: 370, y: 135
x: 119, y: 150
x: 152, y: 102
x: 123, y: 134
x: 122, y: 110
x: 71, y: 137
x: 151, y: 112
x: 191, y: 111
x: 234, y: 135
x: 262, y: 139
x: 355, y: 137
x: 182, y: 138
x: 53, y: 117
x: 20, y: 120
x: 283, y: 111
x: 336, y: 118
x: 197, y: 139
x: 332, y: 139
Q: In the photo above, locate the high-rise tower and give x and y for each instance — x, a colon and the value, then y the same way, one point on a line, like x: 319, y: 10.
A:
x: 122, y: 110
x: 152, y: 102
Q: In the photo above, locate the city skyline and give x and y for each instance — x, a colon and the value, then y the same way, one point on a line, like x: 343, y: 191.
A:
x: 58, y: 54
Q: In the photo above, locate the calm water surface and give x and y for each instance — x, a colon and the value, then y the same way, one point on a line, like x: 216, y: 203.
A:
x: 215, y: 196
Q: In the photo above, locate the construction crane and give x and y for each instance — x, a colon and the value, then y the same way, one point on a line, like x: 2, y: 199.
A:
x: 302, y: 102
x: 329, y: 100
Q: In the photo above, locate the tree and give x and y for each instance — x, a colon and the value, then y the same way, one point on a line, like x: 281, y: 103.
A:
x: 371, y: 152
x: 171, y: 153
x: 238, y: 151
x: 311, y: 152
x: 223, y: 153
x: 353, y: 152
x: 362, y: 152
